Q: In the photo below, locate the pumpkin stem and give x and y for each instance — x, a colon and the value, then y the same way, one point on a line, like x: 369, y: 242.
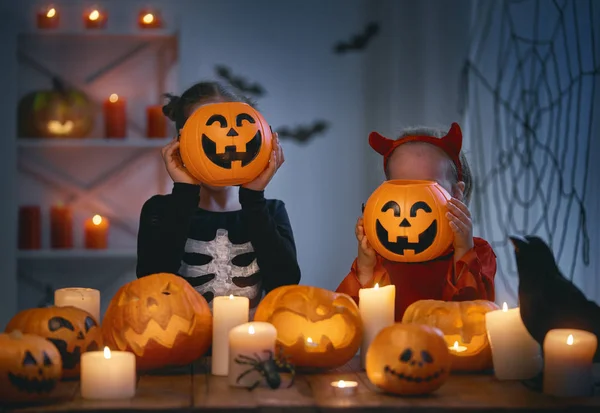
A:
x: 58, y: 85
x: 16, y: 335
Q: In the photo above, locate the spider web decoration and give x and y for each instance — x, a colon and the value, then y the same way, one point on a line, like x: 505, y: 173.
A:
x: 528, y: 98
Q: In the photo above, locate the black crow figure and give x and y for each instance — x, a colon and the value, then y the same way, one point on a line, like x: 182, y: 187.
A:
x: 546, y: 298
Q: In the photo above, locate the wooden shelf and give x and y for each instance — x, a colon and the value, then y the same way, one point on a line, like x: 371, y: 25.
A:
x: 46, y: 254
x: 92, y: 142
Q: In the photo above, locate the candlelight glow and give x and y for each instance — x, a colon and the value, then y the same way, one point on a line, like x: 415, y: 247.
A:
x: 106, y: 353
x: 570, y: 340
x: 94, y: 15
x: 148, y: 18
x: 51, y: 13
x: 251, y: 330
x: 309, y: 340
x: 113, y: 98
x: 504, y: 307
x: 376, y: 286
x: 58, y: 128
x: 456, y: 348
x: 341, y: 384
x: 231, y: 296
x: 97, y: 219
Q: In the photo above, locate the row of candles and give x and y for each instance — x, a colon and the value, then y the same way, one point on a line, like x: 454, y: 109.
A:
x: 95, y: 18
x: 61, y: 228
x: 567, y: 361
x: 115, y: 118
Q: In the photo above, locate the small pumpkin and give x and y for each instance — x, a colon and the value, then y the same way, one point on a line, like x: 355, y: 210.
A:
x: 30, y: 367
x: 315, y: 327
x: 161, y: 319
x: 59, y: 112
x: 405, y: 220
x: 72, y: 330
x: 408, y: 359
x: 226, y: 144
x: 463, y: 326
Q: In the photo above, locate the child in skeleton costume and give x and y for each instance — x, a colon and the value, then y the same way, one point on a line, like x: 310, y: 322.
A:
x: 467, y: 270
x: 221, y: 240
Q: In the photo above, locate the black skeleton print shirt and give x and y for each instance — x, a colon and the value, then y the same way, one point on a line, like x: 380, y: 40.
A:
x: 241, y: 252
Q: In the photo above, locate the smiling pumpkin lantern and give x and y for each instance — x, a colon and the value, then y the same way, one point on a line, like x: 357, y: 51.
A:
x: 161, y: 319
x: 225, y: 144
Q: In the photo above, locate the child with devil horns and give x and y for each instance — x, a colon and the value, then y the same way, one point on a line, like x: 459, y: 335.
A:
x: 466, y: 271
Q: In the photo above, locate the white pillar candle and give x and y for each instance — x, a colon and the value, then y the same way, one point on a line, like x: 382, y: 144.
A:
x: 107, y: 374
x: 377, y: 310
x: 228, y: 312
x: 255, y: 340
x: 86, y: 299
x: 568, y: 359
x: 515, y: 354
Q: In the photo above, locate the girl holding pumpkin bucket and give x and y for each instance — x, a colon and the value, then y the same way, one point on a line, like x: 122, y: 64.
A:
x: 466, y: 270
x: 220, y: 239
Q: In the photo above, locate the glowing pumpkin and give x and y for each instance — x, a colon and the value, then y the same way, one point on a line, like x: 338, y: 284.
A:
x: 30, y: 367
x: 408, y: 359
x: 161, y: 319
x: 315, y: 327
x: 72, y: 330
x: 463, y: 326
x: 226, y: 144
x: 405, y: 221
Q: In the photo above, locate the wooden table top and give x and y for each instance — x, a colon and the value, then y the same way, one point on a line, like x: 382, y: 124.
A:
x: 193, y: 389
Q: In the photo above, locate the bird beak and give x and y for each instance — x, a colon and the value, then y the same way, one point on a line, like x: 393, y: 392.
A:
x: 518, y: 242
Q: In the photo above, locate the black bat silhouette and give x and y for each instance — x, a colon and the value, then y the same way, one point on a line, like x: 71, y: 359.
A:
x: 303, y: 133
x: 358, y: 41
x: 239, y: 83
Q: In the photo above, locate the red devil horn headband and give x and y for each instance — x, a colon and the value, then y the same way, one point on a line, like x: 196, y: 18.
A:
x: 451, y: 144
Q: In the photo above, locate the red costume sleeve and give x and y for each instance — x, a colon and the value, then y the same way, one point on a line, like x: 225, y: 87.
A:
x: 351, y: 284
x: 474, y: 275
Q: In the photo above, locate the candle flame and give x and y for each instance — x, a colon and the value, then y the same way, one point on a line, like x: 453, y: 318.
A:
x: 51, y: 13
x: 309, y: 340
x: 231, y: 296
x: 148, y: 18
x: 106, y: 353
x: 97, y: 220
x: 251, y: 330
x: 376, y: 286
x: 455, y: 346
x: 341, y: 384
x: 504, y: 307
x: 570, y: 340
x: 94, y: 15
x: 113, y: 98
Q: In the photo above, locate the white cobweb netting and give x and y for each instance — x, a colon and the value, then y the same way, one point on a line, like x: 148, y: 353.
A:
x: 529, y: 94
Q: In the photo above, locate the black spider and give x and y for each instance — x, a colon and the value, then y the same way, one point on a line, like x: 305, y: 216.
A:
x: 268, y: 368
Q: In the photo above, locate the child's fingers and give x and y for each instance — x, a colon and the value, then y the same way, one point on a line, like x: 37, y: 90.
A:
x: 458, y: 213
x: 455, y: 204
x: 457, y: 225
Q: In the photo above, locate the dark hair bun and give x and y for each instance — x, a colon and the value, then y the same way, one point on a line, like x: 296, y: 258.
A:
x: 173, y: 107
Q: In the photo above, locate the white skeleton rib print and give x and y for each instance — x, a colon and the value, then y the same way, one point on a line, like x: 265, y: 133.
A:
x: 222, y: 251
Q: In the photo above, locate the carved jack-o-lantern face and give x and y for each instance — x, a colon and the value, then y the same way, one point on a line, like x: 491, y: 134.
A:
x: 315, y: 327
x: 30, y: 367
x: 160, y: 318
x: 405, y: 221
x: 408, y: 359
x: 73, y: 331
x: 225, y: 143
x: 463, y: 326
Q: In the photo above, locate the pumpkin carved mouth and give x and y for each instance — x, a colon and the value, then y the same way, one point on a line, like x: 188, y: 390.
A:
x: 231, y: 153
x: 413, y: 379
x: 31, y: 385
x: 70, y: 358
x: 426, y: 239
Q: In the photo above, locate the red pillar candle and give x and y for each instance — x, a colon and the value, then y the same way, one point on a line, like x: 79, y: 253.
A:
x: 30, y: 227
x: 96, y: 232
x: 94, y: 18
x: 157, y: 122
x: 61, y: 227
x: 48, y: 18
x: 115, y: 118
x: 149, y: 19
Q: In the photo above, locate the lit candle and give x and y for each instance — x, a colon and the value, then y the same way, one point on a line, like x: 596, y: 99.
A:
x: 61, y: 227
x: 344, y: 387
x: 149, y: 19
x: 157, y: 122
x: 96, y: 232
x: 377, y: 310
x: 30, y: 227
x: 246, y: 342
x: 107, y: 374
x: 86, y: 299
x: 95, y: 18
x: 516, y: 355
x: 456, y: 348
x: 228, y: 312
x: 568, y: 356
x: 310, y: 343
x: 115, y: 117
x: 48, y: 18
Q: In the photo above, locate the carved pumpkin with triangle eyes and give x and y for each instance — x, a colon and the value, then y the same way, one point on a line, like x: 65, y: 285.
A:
x: 405, y: 221
x: 30, y: 367
x: 161, y: 319
x: 225, y: 144
x: 72, y: 330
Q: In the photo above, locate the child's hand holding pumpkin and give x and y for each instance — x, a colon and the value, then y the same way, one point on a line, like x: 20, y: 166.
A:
x: 367, y: 258
x: 462, y: 226
x: 174, y: 164
x: 275, y: 161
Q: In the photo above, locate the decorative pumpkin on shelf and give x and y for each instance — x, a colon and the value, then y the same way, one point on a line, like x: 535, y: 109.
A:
x: 315, y: 327
x: 72, y: 330
x: 226, y: 144
x: 408, y: 359
x: 56, y: 113
x: 463, y: 326
x: 160, y: 318
x: 30, y: 367
x: 405, y: 220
